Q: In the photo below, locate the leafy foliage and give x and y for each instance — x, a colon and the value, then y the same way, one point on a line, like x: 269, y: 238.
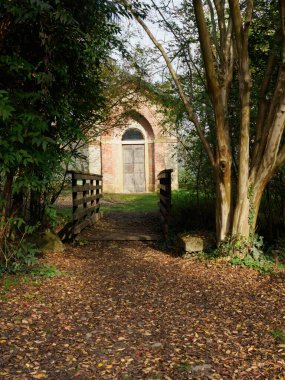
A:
x: 50, y: 82
x: 255, y: 256
x: 240, y: 247
x: 261, y: 265
x: 46, y: 271
x: 52, y: 53
x: 17, y: 254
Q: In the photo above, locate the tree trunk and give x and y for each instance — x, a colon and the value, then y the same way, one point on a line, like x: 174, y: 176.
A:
x: 241, y: 220
x: 223, y: 201
x: 246, y: 211
x: 5, y: 208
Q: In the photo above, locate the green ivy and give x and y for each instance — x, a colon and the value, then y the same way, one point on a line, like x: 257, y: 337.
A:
x: 263, y: 266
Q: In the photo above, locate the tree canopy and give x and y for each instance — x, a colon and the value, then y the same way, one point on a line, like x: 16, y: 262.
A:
x: 51, y: 91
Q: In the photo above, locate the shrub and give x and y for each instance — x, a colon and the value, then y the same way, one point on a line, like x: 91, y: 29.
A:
x: 17, y: 254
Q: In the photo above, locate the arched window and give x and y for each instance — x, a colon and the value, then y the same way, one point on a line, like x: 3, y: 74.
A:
x: 132, y: 134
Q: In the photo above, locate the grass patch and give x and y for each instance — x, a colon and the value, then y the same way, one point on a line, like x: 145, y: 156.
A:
x: 130, y: 202
x: 147, y: 202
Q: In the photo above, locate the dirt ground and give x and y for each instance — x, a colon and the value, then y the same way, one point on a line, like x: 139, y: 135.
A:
x: 125, y: 226
x: 131, y: 310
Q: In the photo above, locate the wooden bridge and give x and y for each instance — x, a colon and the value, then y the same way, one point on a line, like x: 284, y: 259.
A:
x: 88, y: 224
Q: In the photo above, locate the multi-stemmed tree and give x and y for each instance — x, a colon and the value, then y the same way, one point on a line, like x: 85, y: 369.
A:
x: 240, y: 42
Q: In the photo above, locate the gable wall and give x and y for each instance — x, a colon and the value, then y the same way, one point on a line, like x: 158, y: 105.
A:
x: 106, y: 157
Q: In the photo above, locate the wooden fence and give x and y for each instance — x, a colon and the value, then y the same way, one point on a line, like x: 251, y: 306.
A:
x: 164, y: 186
x: 86, y: 194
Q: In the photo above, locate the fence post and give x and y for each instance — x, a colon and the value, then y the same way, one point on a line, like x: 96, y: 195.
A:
x: 74, y: 197
x: 164, y: 186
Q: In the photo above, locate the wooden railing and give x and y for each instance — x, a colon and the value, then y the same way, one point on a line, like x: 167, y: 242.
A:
x: 86, y: 194
x: 164, y: 186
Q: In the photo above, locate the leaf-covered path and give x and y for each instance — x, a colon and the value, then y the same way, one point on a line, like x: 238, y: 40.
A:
x: 128, y: 310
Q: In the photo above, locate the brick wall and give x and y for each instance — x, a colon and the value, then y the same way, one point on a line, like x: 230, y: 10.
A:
x: 159, y: 151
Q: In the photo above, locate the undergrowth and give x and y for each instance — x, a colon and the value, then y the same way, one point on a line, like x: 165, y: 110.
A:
x: 34, y: 277
x: 255, y: 257
x: 38, y: 270
x: 189, y: 214
x: 17, y: 253
x: 46, y: 271
x: 264, y: 265
x: 246, y: 254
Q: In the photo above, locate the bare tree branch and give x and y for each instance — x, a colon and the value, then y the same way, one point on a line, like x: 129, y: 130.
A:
x: 192, y: 116
x: 263, y: 105
x: 214, y: 33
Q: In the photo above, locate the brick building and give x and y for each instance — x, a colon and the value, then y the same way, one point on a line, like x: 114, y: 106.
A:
x: 130, y: 156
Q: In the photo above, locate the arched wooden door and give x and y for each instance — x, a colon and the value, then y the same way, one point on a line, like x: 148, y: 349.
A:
x: 133, y: 161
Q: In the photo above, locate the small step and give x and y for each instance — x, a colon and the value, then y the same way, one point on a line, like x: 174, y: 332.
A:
x: 112, y: 236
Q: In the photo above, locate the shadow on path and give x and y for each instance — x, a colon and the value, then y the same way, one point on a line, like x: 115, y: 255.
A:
x: 125, y: 226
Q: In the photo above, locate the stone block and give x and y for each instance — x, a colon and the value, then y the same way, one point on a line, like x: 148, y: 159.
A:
x: 195, y: 242
x: 49, y: 242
